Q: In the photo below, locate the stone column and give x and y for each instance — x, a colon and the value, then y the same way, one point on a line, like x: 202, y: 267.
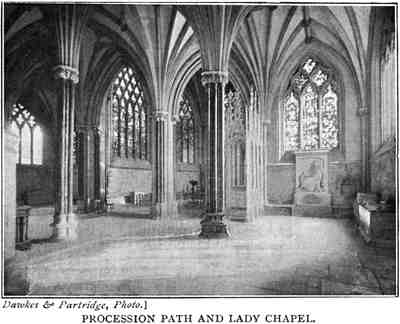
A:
x: 69, y: 22
x: 64, y: 219
x: 175, y: 120
x: 266, y: 123
x: 365, y: 179
x: 9, y: 180
x: 172, y: 208
x: 160, y: 165
x: 87, y: 148
x: 99, y: 167
x: 212, y: 224
x: 107, y: 146
x: 204, y: 166
x: 83, y: 133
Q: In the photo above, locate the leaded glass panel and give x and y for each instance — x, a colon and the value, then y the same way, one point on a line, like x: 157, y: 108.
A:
x: 30, y: 137
x: 329, y: 120
x: 291, y: 123
x: 311, y: 109
x: 309, y: 119
x: 185, y: 134
x: 129, y: 116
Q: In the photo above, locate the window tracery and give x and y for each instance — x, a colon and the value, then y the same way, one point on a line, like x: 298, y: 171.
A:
x: 310, y: 109
x: 185, y: 133
x: 30, y: 136
x: 129, y: 116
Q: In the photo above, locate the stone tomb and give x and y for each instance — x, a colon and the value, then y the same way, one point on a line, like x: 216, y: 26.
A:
x: 312, y: 197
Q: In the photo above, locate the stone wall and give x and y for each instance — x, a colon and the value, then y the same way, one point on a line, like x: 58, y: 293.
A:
x: 36, y: 183
x: 282, y: 182
x: 184, y: 174
x: 9, y: 203
x: 129, y: 176
x: 238, y: 197
x: 383, y: 170
x: 344, y: 182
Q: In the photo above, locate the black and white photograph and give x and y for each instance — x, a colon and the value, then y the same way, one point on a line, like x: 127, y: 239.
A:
x: 198, y: 150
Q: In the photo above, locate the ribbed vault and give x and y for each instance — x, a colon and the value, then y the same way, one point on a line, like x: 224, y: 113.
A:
x: 270, y: 35
x: 169, y: 44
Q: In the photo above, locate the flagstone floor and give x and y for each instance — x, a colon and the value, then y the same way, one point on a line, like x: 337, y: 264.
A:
x: 117, y: 255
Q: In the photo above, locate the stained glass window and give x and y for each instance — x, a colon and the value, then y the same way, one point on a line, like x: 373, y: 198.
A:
x: 129, y: 116
x: 291, y: 123
x: 309, y: 118
x: 30, y: 137
x: 329, y: 119
x: 185, y: 133
x: 311, y: 109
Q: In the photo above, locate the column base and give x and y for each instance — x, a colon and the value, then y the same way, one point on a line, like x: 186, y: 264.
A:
x: 212, y: 226
x: 164, y: 210
x: 65, y: 228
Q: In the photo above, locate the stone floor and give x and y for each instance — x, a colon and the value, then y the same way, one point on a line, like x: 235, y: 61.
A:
x: 118, y: 254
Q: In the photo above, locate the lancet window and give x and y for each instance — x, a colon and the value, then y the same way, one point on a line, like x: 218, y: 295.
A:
x: 30, y: 136
x: 129, y: 112
x: 185, y: 133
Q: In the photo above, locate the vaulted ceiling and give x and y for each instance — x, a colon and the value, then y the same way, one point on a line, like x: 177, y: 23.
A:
x: 270, y: 37
x: 169, y: 44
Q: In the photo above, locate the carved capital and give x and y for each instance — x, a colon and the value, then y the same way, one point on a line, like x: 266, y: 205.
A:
x: 214, y: 77
x: 67, y: 73
x: 161, y: 115
x: 362, y: 111
x: 175, y: 119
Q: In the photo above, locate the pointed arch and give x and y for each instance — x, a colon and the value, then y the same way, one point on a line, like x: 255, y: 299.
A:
x: 30, y: 139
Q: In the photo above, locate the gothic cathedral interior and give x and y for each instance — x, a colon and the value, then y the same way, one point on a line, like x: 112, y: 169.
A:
x: 199, y: 149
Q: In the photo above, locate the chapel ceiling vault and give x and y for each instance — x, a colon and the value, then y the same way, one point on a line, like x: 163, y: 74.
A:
x: 169, y: 44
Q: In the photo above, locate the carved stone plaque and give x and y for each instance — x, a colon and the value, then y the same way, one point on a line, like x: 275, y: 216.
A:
x: 312, y: 194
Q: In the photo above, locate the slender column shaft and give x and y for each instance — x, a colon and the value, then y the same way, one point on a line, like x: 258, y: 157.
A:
x: 365, y: 183
x: 162, y: 175
x: 64, y: 217
x: 212, y: 224
x: 216, y: 132
x: 64, y: 201
x: 69, y: 23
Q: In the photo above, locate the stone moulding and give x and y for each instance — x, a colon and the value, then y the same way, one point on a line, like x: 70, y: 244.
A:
x: 214, y: 77
x: 67, y: 73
